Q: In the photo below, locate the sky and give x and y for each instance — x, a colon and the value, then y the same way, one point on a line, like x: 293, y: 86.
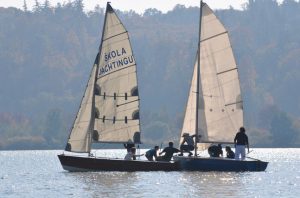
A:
x: 137, y: 5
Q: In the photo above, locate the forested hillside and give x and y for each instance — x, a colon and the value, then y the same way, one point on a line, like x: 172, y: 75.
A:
x: 46, y: 57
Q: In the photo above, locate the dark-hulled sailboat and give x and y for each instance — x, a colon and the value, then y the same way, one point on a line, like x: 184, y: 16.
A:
x: 215, y: 107
x: 109, y: 110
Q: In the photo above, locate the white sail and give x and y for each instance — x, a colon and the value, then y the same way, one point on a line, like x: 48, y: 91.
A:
x: 116, y: 100
x: 109, y: 110
x: 220, y: 105
x: 79, y: 140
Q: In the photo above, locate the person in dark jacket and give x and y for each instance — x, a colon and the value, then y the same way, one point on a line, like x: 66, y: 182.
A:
x: 215, y: 150
x: 240, y: 143
x: 169, y: 151
x: 229, y: 152
x: 152, y: 153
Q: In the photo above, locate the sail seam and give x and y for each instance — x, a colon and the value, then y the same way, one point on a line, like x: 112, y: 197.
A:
x: 114, y: 36
x: 117, y: 70
x: 214, y: 36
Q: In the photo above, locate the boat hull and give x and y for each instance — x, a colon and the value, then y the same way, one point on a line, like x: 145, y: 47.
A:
x: 219, y: 164
x: 80, y: 164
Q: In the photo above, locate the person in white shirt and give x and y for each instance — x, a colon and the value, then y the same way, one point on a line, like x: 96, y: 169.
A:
x: 131, y: 154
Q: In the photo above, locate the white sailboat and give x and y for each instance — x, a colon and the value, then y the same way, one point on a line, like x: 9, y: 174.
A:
x: 215, y: 107
x: 109, y: 110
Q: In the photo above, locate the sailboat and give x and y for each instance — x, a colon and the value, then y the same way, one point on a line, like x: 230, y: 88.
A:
x: 109, y: 110
x: 214, y: 111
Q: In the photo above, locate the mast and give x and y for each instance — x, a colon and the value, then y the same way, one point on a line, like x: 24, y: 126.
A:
x: 198, y: 81
x: 108, y: 7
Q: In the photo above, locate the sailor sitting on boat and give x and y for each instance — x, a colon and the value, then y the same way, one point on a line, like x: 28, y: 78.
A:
x: 152, y: 153
x: 131, y: 154
x: 128, y: 147
x: 169, y: 151
x: 215, y: 151
x: 229, y: 152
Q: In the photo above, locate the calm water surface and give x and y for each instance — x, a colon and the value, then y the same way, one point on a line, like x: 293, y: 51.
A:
x: 39, y: 174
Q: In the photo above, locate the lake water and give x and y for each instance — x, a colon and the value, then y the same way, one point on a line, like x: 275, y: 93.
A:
x: 39, y: 174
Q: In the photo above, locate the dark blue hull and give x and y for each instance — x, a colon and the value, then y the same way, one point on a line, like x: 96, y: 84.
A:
x: 79, y: 164
x: 76, y: 163
x: 219, y: 164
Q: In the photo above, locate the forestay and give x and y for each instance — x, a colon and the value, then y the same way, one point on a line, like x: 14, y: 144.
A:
x: 220, y: 104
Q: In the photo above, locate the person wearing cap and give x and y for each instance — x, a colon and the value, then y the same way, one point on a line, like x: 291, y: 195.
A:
x: 240, y: 143
x: 169, y: 151
x: 215, y: 150
x: 187, y: 144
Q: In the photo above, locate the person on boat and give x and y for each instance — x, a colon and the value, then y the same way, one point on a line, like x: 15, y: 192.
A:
x: 240, y: 143
x: 169, y: 151
x: 187, y: 144
x: 131, y: 154
x: 128, y: 146
x: 229, y: 152
x: 215, y: 150
x: 152, y: 153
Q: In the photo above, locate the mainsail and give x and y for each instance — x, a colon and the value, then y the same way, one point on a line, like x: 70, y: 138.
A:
x: 220, y: 110
x: 109, y: 111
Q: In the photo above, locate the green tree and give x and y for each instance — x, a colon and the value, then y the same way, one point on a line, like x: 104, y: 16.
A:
x: 282, y: 130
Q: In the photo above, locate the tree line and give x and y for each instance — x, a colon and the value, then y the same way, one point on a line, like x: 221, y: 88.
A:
x: 46, y: 56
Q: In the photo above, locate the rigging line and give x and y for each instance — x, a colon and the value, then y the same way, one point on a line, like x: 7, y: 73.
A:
x: 128, y: 102
x: 114, y: 36
x: 117, y: 70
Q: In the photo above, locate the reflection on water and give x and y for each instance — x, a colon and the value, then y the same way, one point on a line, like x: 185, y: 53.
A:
x: 39, y: 174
